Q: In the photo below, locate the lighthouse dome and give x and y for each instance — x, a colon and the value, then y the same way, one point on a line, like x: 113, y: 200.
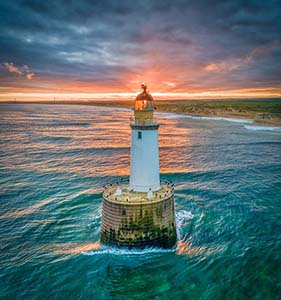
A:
x: 144, y: 101
x: 144, y: 95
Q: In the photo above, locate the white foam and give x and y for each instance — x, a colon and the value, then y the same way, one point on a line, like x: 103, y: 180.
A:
x: 104, y: 250
x: 182, y: 116
x: 228, y: 119
x: 182, y: 217
x: 122, y: 109
x: 271, y: 128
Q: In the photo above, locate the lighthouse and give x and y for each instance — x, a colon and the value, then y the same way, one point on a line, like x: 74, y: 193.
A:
x: 144, y: 171
x: 140, y: 212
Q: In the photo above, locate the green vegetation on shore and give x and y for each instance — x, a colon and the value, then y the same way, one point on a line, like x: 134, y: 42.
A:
x: 262, y: 111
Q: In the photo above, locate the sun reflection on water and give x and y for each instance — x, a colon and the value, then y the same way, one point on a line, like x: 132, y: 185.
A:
x: 69, y: 143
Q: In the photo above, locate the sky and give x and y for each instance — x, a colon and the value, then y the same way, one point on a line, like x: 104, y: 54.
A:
x: 63, y: 49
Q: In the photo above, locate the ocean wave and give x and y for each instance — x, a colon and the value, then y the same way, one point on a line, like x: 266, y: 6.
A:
x: 123, y: 109
x: 182, y: 217
x: 67, y: 123
x: 271, y: 128
x: 186, y: 248
x: 56, y: 138
x: 235, y: 120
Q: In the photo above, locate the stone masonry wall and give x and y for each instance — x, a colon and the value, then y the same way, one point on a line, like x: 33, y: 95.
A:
x: 139, y: 225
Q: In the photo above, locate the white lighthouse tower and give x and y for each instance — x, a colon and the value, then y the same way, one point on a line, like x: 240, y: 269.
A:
x: 144, y: 169
x: 140, y: 213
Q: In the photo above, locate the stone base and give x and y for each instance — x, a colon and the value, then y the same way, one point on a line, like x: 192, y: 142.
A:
x: 140, y: 222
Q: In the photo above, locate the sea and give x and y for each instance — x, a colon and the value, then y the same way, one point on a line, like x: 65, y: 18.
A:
x: 54, y: 163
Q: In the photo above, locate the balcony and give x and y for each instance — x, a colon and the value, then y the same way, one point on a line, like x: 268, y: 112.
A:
x: 145, y: 122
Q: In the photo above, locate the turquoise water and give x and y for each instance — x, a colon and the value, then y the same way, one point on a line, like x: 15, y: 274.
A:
x: 54, y: 161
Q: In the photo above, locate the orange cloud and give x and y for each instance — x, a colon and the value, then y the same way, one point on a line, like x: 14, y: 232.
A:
x: 21, y: 71
x: 226, y: 66
x: 29, y: 75
x: 171, y: 84
x: 212, y: 67
x: 12, y: 69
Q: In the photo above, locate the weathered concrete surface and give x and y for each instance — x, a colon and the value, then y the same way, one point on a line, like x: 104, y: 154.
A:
x: 133, y: 220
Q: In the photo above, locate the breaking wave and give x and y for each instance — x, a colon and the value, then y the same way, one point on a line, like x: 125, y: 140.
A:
x: 271, y: 128
x: 177, y: 116
x: 104, y: 250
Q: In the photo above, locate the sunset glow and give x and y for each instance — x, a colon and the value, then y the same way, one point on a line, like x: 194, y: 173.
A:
x: 233, y: 94
x: 104, y: 51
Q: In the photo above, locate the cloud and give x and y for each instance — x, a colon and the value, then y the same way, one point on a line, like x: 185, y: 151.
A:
x: 29, y: 75
x: 171, y: 84
x: 258, y: 53
x: 213, y: 67
x: 21, y: 71
x: 12, y: 69
x: 225, y: 66
x: 189, y: 44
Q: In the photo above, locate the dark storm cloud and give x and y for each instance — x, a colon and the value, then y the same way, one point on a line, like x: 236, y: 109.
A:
x: 220, y: 42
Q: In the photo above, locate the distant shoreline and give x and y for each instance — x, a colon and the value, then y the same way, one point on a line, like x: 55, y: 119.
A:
x: 261, y: 111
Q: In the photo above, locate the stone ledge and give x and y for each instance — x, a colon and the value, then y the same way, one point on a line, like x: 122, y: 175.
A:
x: 130, y: 197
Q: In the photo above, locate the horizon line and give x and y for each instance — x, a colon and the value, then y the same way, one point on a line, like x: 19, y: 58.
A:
x: 208, y: 95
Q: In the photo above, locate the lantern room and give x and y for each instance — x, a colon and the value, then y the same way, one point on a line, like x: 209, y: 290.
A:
x: 143, y: 107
